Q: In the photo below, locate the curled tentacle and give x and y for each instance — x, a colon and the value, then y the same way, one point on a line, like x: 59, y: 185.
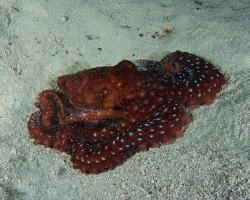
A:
x: 197, y: 80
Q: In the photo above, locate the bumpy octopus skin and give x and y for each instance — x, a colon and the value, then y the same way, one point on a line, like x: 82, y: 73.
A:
x: 102, y: 116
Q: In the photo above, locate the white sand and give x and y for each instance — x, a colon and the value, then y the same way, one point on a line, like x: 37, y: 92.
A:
x: 43, y: 39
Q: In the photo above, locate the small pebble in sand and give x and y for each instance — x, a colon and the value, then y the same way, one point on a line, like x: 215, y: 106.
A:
x: 65, y: 18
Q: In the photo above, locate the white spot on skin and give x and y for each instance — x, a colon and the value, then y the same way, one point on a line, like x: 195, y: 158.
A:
x: 122, y: 140
x: 131, y: 133
x: 139, y: 139
x: 145, y: 101
x: 151, y: 136
x: 142, y: 94
x: 133, y: 120
x: 161, y: 87
x: 156, y: 114
x: 135, y: 108
x: 153, y: 107
x: 103, y: 158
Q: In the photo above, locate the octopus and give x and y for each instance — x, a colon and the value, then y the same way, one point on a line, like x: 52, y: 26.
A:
x: 102, y: 116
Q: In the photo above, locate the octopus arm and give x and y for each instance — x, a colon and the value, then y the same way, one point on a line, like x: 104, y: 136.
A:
x: 93, y: 115
x: 200, y: 80
x: 196, y: 81
x: 99, y: 157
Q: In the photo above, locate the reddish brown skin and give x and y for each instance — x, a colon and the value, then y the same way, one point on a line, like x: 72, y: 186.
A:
x: 102, y: 116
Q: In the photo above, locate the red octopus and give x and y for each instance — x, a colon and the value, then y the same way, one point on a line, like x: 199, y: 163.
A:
x: 104, y: 115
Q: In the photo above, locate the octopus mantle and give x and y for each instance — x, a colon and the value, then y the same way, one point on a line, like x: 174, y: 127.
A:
x: 104, y: 115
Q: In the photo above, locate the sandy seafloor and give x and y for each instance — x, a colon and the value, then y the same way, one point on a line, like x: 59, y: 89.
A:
x: 43, y: 39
